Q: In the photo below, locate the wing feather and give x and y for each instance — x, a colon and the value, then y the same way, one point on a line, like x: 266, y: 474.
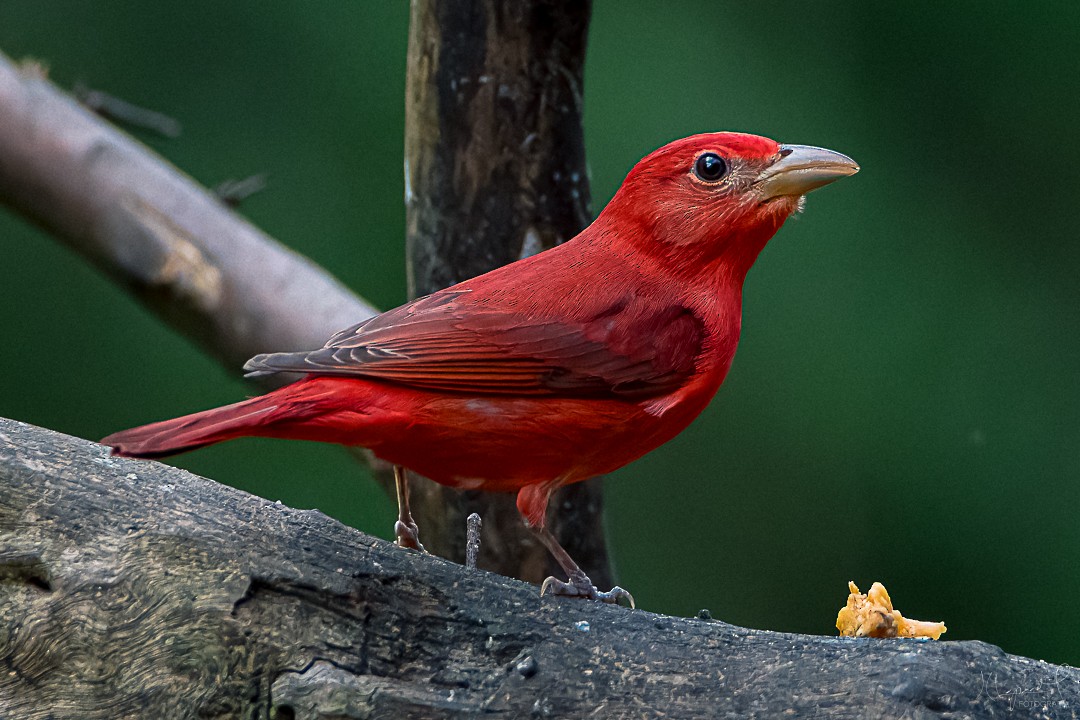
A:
x: 631, y: 347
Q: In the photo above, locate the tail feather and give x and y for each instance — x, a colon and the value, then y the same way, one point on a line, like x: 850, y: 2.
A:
x: 194, y: 431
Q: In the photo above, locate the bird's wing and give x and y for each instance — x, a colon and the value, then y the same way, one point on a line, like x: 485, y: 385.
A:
x: 629, y: 347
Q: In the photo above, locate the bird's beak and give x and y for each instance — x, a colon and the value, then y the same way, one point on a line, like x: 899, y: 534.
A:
x: 802, y: 168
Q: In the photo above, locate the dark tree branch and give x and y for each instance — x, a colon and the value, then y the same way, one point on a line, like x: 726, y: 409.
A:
x: 204, y: 269
x: 495, y: 171
x: 133, y: 589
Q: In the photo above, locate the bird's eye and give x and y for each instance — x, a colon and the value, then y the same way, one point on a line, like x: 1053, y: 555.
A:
x: 710, y: 167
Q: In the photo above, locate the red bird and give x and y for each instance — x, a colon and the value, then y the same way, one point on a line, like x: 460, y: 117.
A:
x: 553, y: 369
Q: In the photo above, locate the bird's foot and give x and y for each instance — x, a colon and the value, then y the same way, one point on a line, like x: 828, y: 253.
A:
x: 581, y: 586
x: 408, y: 536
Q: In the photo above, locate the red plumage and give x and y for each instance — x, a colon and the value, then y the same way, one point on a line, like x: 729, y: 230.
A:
x: 556, y: 368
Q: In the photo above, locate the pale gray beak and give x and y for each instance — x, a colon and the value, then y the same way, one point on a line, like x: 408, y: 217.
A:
x: 802, y: 168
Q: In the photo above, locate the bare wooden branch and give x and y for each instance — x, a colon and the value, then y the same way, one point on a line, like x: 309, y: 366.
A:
x: 203, y: 268
x: 495, y: 171
x: 131, y: 589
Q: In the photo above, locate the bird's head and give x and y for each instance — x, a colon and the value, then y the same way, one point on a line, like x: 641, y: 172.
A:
x: 718, y: 196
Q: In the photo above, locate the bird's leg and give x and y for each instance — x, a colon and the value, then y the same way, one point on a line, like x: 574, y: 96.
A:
x: 405, y: 529
x: 580, y: 585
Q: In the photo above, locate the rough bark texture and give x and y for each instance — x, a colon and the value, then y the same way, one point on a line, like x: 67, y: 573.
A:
x: 200, y: 266
x: 495, y: 171
x: 131, y: 589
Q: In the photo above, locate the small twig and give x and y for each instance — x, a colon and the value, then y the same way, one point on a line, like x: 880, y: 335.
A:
x: 233, y: 192
x: 121, y: 111
x: 473, y: 523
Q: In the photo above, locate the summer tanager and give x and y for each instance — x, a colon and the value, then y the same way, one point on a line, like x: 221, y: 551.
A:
x: 558, y: 367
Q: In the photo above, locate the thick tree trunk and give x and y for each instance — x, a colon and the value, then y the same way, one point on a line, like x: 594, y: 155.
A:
x: 495, y: 171
x: 131, y: 589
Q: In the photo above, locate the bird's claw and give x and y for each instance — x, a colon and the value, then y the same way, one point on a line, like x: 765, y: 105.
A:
x: 614, y: 595
x: 582, y: 587
x: 408, y: 536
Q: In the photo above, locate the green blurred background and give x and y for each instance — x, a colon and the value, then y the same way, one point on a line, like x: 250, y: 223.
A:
x: 905, y: 404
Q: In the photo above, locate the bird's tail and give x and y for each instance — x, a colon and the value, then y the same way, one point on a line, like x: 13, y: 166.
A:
x: 191, y: 431
x: 277, y: 414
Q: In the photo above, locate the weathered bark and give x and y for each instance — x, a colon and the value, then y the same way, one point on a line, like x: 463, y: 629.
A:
x: 495, y: 171
x: 200, y: 266
x: 131, y: 589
